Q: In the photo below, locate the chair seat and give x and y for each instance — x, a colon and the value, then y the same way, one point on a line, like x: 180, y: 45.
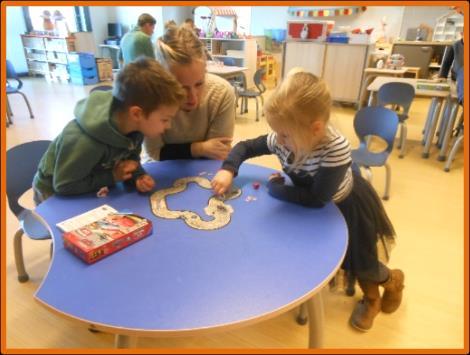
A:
x: 364, y: 158
x: 32, y: 226
x: 249, y: 93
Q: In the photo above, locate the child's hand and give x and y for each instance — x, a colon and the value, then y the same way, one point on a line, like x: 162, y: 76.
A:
x: 222, y: 181
x: 123, y: 169
x: 276, y: 178
x: 145, y: 183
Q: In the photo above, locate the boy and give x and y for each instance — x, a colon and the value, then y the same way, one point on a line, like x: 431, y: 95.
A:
x: 102, y: 145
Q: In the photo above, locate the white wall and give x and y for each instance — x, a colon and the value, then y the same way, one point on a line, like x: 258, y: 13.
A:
x: 417, y: 15
x: 176, y: 13
x: 99, y: 17
x: 398, y: 18
x: 15, y: 27
x: 263, y: 17
x: 372, y: 18
x: 268, y: 17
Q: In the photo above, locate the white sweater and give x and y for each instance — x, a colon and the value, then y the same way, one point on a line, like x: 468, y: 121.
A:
x: 215, y: 117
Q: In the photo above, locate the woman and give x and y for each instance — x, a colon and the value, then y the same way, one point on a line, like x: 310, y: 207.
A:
x: 203, y: 128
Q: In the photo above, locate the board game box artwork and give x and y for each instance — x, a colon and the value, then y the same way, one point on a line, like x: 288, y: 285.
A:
x: 106, y: 235
x: 216, y: 207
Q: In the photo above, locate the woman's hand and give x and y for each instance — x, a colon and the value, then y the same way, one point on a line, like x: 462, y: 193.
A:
x: 214, y: 148
x: 144, y: 183
x: 222, y: 181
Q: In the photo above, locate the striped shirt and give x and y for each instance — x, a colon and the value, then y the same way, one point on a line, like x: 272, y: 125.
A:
x: 334, y: 151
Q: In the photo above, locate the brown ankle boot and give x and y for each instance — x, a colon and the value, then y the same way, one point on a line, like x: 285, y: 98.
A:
x: 366, y: 309
x: 393, y: 293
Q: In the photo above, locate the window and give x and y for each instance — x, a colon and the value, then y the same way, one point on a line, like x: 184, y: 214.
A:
x: 77, y: 18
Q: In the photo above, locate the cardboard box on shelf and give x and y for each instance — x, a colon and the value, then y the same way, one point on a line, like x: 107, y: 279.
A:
x: 105, y: 69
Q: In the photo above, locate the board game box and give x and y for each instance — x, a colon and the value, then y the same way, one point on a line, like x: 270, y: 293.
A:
x: 113, y: 232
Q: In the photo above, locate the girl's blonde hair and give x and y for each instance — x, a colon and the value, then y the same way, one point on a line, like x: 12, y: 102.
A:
x: 301, y: 99
x: 179, y: 45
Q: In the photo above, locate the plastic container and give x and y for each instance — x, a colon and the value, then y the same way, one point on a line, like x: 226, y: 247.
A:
x: 337, y: 39
x: 279, y: 35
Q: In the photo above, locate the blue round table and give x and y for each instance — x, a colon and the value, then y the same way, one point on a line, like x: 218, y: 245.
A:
x: 270, y: 258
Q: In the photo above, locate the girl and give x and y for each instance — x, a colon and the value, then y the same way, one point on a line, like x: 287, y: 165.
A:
x: 317, y: 159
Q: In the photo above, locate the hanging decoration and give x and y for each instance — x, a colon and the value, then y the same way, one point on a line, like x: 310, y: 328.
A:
x: 322, y: 12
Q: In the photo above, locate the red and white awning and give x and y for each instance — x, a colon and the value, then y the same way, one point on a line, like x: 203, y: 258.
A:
x: 223, y: 11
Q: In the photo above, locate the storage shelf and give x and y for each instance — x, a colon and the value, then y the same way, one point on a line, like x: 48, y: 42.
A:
x: 55, y: 51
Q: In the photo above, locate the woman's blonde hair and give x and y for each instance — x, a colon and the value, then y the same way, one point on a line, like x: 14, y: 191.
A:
x: 301, y: 99
x: 179, y: 45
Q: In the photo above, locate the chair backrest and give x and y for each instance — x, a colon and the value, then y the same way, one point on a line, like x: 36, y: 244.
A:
x: 11, y: 74
x: 258, y: 79
x: 101, y: 88
x: 22, y: 164
x: 376, y: 121
x: 395, y: 93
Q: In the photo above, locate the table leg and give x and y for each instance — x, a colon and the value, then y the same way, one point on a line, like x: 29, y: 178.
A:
x: 302, y: 317
x: 431, y: 129
x: 371, y: 99
x: 365, y: 84
x: 316, y: 317
x: 431, y: 109
x: 125, y: 341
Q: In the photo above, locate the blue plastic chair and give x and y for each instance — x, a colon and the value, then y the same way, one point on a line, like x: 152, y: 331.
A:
x: 22, y: 163
x: 375, y: 121
x: 399, y: 96
x: 246, y: 94
x: 15, y: 89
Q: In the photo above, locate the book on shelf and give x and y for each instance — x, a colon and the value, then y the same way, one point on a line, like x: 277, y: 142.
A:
x: 102, y: 231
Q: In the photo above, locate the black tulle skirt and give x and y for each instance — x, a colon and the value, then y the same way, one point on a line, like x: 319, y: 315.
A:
x: 368, y: 226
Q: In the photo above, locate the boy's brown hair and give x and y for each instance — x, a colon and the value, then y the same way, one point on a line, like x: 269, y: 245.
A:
x: 145, y: 83
x: 146, y: 18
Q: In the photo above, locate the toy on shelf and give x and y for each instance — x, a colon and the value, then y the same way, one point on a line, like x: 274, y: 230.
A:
x: 395, y: 61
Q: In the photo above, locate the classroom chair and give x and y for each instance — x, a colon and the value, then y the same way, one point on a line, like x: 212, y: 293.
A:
x: 383, y: 123
x: 254, y: 94
x: 15, y: 89
x: 21, y: 164
x: 399, y: 96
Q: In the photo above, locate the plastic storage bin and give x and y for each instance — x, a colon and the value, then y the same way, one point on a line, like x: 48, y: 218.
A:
x: 82, y: 68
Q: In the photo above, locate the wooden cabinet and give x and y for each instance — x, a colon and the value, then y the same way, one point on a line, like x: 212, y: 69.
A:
x: 308, y: 55
x: 241, y: 52
x: 340, y: 65
x: 343, y: 70
x: 47, y: 55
